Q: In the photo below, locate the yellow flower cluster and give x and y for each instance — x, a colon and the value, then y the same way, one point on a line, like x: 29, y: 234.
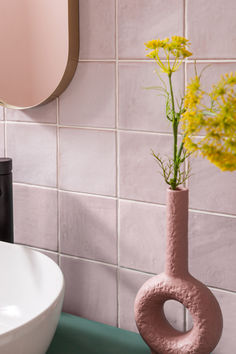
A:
x: 176, y: 47
x: 216, y: 123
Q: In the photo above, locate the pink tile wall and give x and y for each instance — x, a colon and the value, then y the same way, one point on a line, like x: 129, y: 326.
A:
x: 211, y: 27
x: 142, y: 20
x: 90, y: 98
x: 91, y: 289
x: 88, y: 227
x: 100, y: 15
x: 43, y: 114
x: 87, y: 189
x: 139, y: 107
x: 87, y: 160
x: 33, y: 149
x: 35, y: 216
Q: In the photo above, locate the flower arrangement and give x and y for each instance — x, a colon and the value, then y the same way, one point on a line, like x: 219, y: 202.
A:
x: 212, y: 114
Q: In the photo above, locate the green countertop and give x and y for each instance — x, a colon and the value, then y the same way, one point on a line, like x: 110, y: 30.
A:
x: 75, y: 335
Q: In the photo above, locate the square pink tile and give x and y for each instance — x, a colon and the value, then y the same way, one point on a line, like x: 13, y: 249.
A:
x: 143, y: 20
x: 46, y: 113
x: 210, y: 188
x: 91, y: 290
x: 2, y: 139
x: 142, y: 236
x: 35, y: 216
x: 211, y: 28
x: 97, y: 29
x: 129, y: 284
x: 89, y: 100
x: 88, y: 227
x: 33, y: 150
x: 211, y: 238
x: 227, y: 303
x: 87, y: 161
x: 140, y: 177
x: 139, y: 108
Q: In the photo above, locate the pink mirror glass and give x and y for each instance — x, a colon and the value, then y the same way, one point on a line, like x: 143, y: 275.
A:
x: 39, y: 50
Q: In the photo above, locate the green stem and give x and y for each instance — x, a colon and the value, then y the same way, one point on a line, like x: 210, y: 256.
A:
x: 175, y: 134
x: 180, y: 149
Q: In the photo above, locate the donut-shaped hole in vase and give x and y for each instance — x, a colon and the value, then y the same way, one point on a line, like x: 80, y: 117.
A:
x: 178, y: 315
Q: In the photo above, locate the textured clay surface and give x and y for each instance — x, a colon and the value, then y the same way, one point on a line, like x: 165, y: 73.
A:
x: 177, y: 284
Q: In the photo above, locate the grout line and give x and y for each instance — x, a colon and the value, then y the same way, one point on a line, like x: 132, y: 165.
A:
x: 115, y: 266
x: 198, y: 60
x: 143, y: 272
x: 145, y: 132
x: 37, y: 248
x: 17, y: 122
x: 88, y: 260
x: 185, y: 19
x: 117, y: 163
x: 78, y: 127
x: 185, y: 319
x: 87, y: 194
x: 60, y: 125
x: 186, y: 162
x: 87, y: 127
x: 34, y: 186
x: 209, y: 212
x: 57, y: 140
x: 223, y: 290
x: 141, y: 202
x: 199, y: 211
x: 113, y: 60
x: 57, y: 185
x: 213, y: 60
x: 143, y: 60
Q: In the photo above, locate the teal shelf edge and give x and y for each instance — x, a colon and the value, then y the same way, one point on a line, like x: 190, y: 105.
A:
x: 76, y: 335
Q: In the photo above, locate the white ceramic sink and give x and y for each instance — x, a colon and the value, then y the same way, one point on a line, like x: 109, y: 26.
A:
x: 31, y: 296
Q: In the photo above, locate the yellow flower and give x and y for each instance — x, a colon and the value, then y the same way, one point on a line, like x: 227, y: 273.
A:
x: 176, y: 47
x: 217, y: 123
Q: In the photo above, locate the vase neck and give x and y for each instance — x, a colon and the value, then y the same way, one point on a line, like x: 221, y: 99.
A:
x: 177, y: 232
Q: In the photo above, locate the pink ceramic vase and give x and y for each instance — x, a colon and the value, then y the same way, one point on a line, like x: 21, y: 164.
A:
x: 177, y: 284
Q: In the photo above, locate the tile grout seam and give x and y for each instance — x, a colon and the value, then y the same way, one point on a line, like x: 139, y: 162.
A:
x: 115, y: 266
x: 186, y: 184
x: 90, y: 128
x: 190, y: 61
x: 117, y: 163
x: 57, y: 183
x: 123, y: 199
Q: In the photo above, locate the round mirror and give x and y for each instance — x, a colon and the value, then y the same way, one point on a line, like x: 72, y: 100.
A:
x: 39, y: 50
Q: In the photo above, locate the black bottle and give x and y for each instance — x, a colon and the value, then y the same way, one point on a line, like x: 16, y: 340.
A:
x: 6, y: 200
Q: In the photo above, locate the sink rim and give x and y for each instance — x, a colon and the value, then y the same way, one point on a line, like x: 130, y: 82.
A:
x: 48, y: 308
